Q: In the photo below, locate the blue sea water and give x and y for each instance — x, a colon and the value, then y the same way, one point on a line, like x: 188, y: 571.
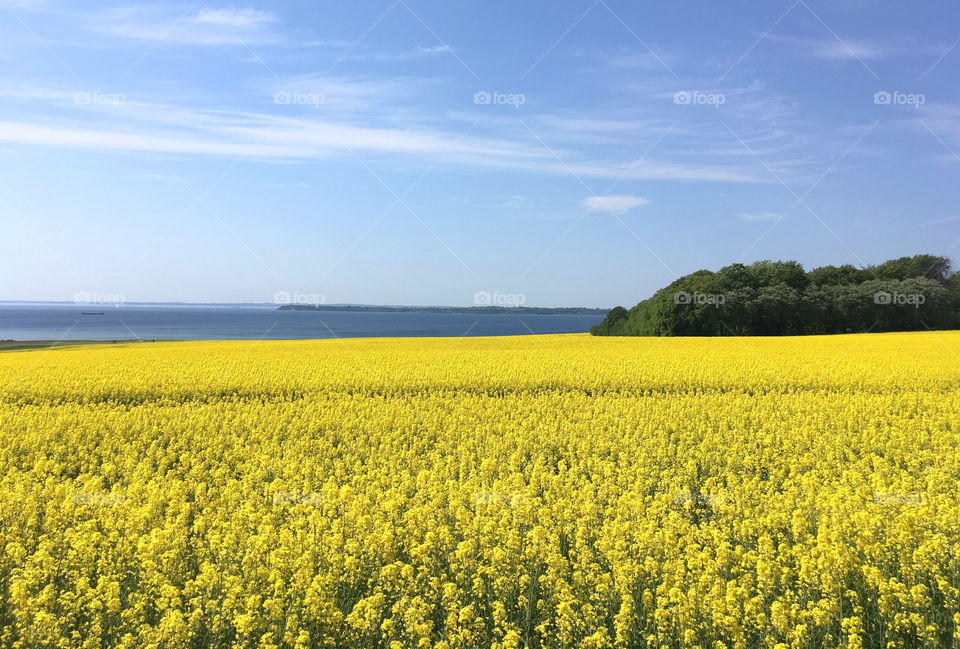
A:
x: 38, y: 321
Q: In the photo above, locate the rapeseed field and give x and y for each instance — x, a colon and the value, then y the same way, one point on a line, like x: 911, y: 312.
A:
x: 537, y: 491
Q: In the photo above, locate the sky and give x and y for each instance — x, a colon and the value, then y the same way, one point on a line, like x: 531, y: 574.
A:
x: 544, y: 153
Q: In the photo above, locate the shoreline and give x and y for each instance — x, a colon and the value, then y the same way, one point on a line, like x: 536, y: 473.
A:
x: 20, y: 345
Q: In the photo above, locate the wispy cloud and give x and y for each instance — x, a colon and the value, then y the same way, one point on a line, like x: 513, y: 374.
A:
x: 25, y: 4
x: 206, y: 27
x: 240, y: 19
x: 768, y: 123
x: 949, y: 219
x: 941, y: 122
x: 413, y: 54
x: 615, y: 204
x: 353, y: 93
x: 832, y: 49
x: 142, y: 127
x: 517, y: 202
x: 313, y: 117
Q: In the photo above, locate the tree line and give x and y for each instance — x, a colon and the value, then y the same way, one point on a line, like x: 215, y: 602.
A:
x: 781, y: 298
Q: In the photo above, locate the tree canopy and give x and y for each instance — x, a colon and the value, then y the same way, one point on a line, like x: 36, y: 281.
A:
x: 781, y: 298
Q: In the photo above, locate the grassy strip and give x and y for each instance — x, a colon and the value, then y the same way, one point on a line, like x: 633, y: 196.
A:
x: 13, y: 345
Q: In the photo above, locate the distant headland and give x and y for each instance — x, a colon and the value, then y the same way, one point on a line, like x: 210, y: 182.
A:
x: 491, y: 310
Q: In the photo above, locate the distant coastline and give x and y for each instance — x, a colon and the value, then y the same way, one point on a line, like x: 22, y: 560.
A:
x: 53, y: 322
x: 491, y: 310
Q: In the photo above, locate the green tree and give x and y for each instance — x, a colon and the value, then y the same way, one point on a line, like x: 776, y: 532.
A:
x: 779, y: 298
x: 771, y: 273
x: 833, y: 275
x: 929, y: 266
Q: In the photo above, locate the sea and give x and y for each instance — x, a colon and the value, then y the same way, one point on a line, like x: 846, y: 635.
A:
x: 69, y: 321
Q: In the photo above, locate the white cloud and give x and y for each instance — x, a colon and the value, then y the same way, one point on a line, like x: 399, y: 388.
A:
x: 240, y: 19
x: 615, y: 204
x: 351, y: 93
x: 939, y: 123
x: 949, y: 219
x: 205, y: 27
x: 846, y: 50
x: 292, y: 133
x: 833, y: 49
x: 327, y: 42
x: 267, y: 137
x: 412, y: 54
x: 517, y: 202
x: 418, y: 52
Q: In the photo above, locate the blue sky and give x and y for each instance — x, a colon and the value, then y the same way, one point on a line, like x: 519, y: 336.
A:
x: 410, y: 152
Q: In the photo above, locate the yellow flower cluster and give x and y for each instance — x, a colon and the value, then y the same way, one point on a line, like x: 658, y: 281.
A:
x: 540, y: 491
